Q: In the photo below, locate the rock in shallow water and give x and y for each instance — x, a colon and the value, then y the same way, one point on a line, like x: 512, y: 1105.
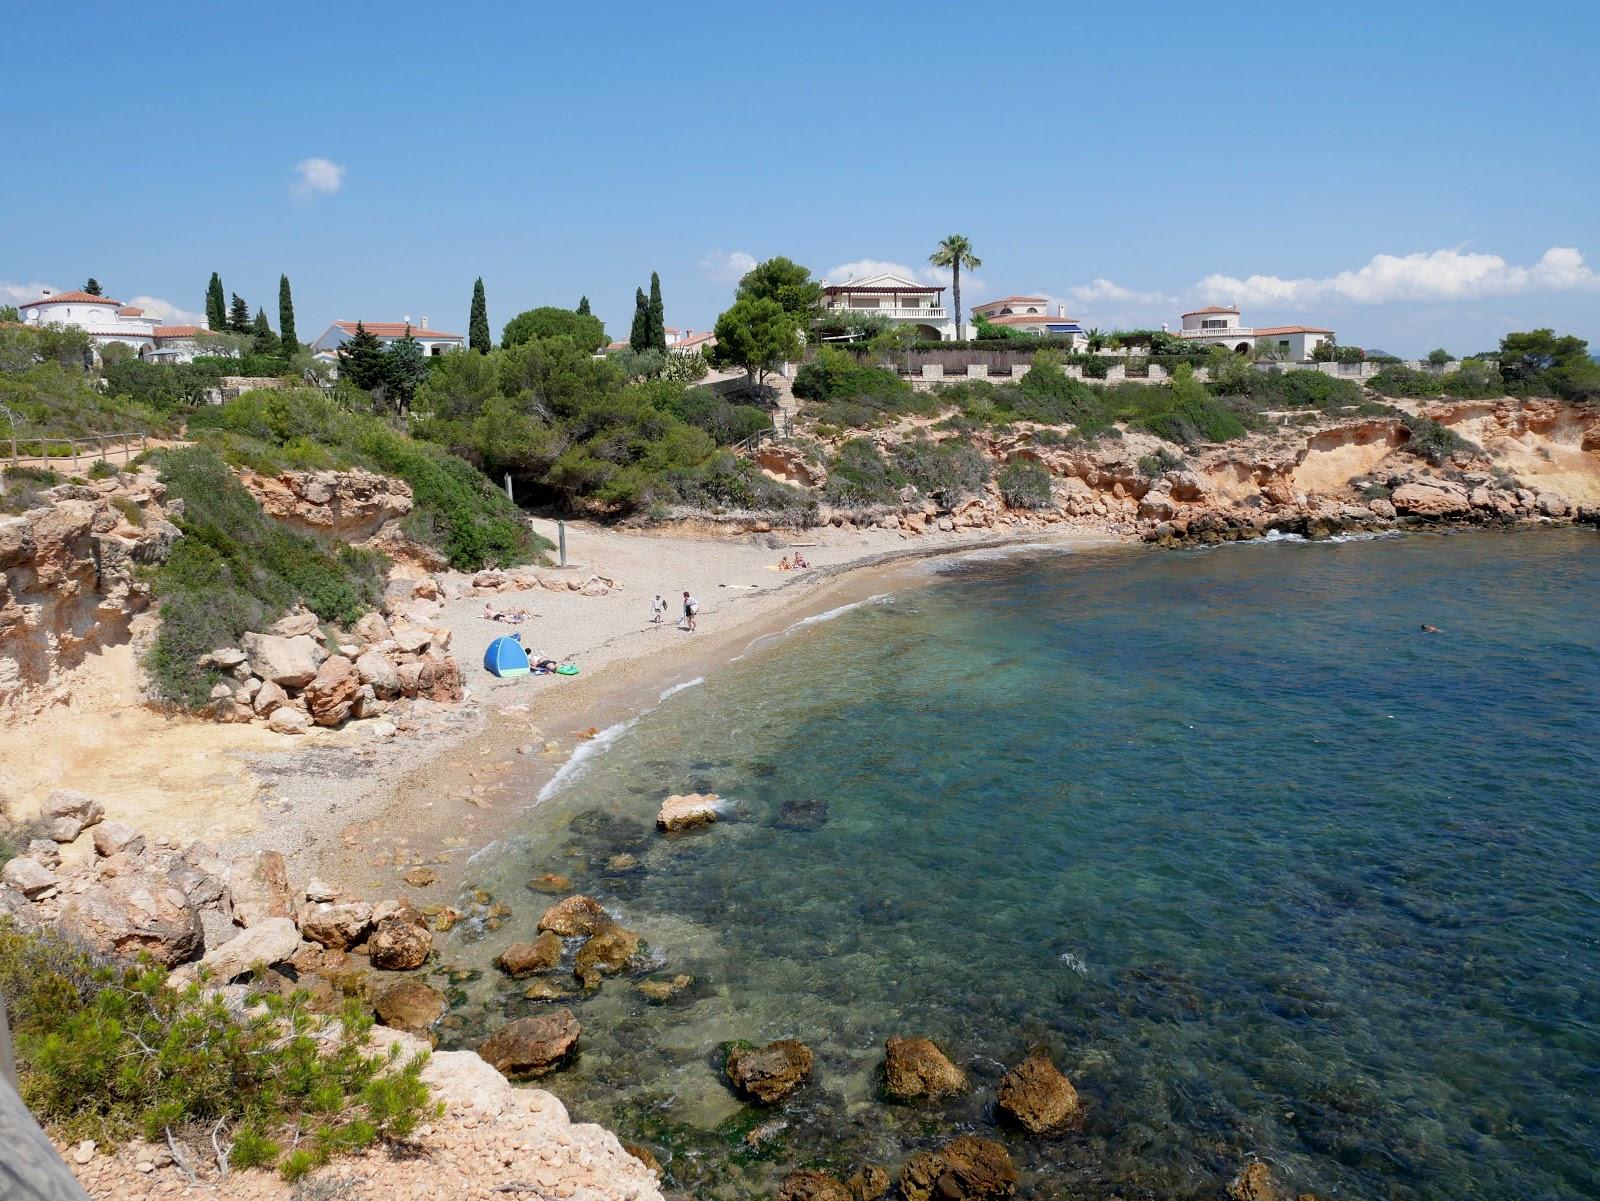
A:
x: 1036, y: 1096
x: 770, y: 1073
x: 410, y: 1005
x: 964, y: 1169
x: 807, y: 1185
x: 915, y: 1070
x: 606, y: 953
x: 575, y: 917
x: 526, y: 958
x: 533, y: 1046
x: 687, y: 811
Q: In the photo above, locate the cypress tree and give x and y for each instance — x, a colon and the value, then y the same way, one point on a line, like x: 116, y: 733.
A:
x: 478, y: 336
x: 265, y: 342
x: 639, y: 335
x: 93, y: 287
x: 583, y: 306
x: 291, y: 341
x: 216, y: 305
x: 239, y: 315
x: 658, y: 317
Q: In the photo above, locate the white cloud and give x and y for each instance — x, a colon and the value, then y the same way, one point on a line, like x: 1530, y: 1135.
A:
x: 727, y: 267
x: 971, y: 285
x: 317, y: 176
x: 1104, y: 289
x: 165, y: 312
x: 23, y: 293
x: 1439, y: 275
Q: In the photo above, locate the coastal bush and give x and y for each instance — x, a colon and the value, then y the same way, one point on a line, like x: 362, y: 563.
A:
x: 164, y: 387
x: 1434, y: 442
x: 466, y: 517
x: 848, y: 392
x: 47, y: 398
x: 235, y: 570
x: 107, y: 1051
x: 1025, y: 484
x: 1473, y: 380
x: 947, y: 470
x: 858, y: 475
x: 1161, y: 462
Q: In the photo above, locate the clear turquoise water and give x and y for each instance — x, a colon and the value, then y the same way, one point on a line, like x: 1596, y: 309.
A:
x: 1269, y: 871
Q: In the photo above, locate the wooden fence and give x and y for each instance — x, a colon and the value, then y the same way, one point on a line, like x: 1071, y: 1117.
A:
x: 92, y: 449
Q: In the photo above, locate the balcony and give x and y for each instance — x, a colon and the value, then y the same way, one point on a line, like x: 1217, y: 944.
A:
x: 1232, y: 331
x: 898, y: 314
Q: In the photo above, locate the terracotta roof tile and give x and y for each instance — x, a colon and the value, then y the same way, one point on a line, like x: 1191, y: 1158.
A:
x: 1211, y: 308
x: 1031, y: 319
x: 1014, y: 300
x: 128, y: 310
x: 1290, y: 329
x: 73, y: 298
x: 394, y: 329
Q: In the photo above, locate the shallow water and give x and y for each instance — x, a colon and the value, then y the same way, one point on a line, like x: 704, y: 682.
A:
x: 1266, y: 869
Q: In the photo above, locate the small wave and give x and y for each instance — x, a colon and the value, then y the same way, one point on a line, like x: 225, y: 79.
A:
x: 879, y: 599
x: 480, y: 853
x: 1000, y: 552
x: 579, y: 760
x: 677, y: 688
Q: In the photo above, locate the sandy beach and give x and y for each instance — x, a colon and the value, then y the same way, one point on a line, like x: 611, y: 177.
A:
x: 357, y: 808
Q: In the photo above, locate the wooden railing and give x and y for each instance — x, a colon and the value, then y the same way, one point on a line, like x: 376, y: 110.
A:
x: 30, y: 1169
x: 91, y: 449
x: 782, y: 431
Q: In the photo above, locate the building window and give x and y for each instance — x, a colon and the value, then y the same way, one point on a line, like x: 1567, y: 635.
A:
x: 1283, y: 343
x: 1214, y: 323
x: 432, y: 350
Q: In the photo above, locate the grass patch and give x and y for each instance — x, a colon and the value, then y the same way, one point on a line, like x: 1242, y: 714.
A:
x: 106, y: 1051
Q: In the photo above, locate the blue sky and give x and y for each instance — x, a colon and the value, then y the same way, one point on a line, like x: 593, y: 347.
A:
x: 1131, y: 160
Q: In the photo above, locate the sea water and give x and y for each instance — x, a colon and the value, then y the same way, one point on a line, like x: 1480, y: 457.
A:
x: 1267, y: 870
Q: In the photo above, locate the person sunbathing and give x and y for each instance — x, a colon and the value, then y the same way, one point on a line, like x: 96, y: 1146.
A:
x: 783, y: 564
x: 489, y: 613
x: 800, y: 563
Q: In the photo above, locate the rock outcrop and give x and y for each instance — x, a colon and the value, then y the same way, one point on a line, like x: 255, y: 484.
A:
x: 348, y: 506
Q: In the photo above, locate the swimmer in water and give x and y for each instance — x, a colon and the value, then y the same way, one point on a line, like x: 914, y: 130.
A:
x: 1428, y: 629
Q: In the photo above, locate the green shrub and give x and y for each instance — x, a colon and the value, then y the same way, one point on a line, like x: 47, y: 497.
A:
x: 1434, y: 442
x: 858, y: 475
x: 948, y: 470
x: 235, y: 569
x: 845, y: 391
x: 101, y: 470
x: 1024, y: 483
x: 106, y: 1051
x: 1160, y: 463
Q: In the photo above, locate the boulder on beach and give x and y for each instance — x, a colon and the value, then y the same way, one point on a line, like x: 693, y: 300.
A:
x: 770, y: 1073
x: 259, y: 884
x: 1036, y: 1096
x: 526, y: 958
x: 532, y: 1046
x: 606, y: 953
x: 30, y: 877
x: 576, y: 917
x: 685, y: 812
x: 916, y: 1070
x: 267, y: 942
x: 808, y: 1185
x: 287, y: 662
x: 964, y: 1169
x: 339, y: 925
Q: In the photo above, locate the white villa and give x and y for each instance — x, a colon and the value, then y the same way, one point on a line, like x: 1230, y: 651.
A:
x: 1219, y: 325
x: 108, y: 321
x: 897, y: 298
x: 434, y: 341
x: 1031, y: 315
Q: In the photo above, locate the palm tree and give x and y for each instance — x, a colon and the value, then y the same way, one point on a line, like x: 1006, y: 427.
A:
x: 955, y: 252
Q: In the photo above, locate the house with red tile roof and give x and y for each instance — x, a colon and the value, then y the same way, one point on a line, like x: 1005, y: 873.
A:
x: 1221, y: 325
x: 1031, y: 315
x: 433, y: 341
x: 108, y: 321
x: 890, y: 295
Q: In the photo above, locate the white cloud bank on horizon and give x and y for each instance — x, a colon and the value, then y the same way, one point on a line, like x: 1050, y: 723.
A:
x: 164, y: 311
x: 935, y: 276
x: 727, y: 267
x: 317, y: 177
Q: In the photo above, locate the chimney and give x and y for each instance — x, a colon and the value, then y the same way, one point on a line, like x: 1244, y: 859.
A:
x: 423, y: 323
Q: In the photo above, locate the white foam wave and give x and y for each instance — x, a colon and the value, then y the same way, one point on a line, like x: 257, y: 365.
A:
x: 479, y: 854
x: 830, y: 614
x: 677, y: 688
x: 1074, y: 962
x: 579, y: 761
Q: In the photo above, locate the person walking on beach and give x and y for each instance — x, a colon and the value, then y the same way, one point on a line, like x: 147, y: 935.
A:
x: 658, y: 609
x: 690, y: 608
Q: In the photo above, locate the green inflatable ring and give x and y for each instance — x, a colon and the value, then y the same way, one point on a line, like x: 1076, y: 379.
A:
x: 567, y: 669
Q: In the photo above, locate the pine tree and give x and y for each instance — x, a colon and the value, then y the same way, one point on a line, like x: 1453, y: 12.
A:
x: 478, y: 336
x: 216, y: 305
x: 639, y: 335
x: 658, y: 317
x: 265, y: 341
x: 361, y: 359
x: 290, y: 340
x: 583, y: 307
x: 93, y: 287
x: 405, y: 366
x: 238, y: 315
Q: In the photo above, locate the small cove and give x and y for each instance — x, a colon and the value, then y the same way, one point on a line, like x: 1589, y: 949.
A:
x: 1267, y: 870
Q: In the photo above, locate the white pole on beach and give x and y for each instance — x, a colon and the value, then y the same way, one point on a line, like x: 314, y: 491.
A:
x: 561, y: 536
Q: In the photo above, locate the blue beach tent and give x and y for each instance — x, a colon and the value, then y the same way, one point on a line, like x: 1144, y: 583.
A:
x: 505, y: 657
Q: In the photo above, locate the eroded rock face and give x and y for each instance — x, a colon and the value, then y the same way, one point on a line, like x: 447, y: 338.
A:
x: 684, y: 812
x: 964, y: 1169
x: 332, y: 691
x: 916, y: 1070
x: 350, y: 506
x: 770, y: 1073
x: 1036, y: 1096
x: 575, y: 917
x: 527, y: 958
x: 533, y: 1046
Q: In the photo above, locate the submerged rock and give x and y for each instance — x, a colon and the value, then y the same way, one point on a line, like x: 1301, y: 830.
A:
x: 575, y: 917
x: 810, y: 814
x: 532, y: 1046
x: 964, y: 1169
x: 687, y: 811
x: 659, y: 992
x: 807, y: 1185
x: 526, y: 958
x: 770, y: 1073
x: 1254, y: 1183
x: 915, y: 1070
x: 551, y: 882
x: 868, y: 1183
x: 1036, y: 1096
x: 606, y: 953
x: 410, y: 1005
